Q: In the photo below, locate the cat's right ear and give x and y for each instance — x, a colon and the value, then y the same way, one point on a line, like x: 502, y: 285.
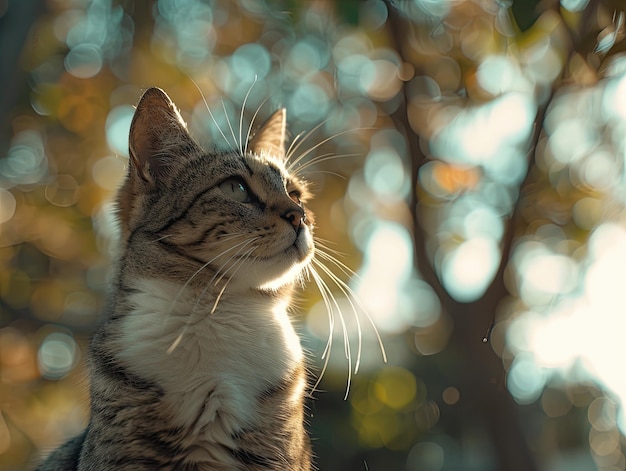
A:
x: 158, y: 137
x: 270, y: 138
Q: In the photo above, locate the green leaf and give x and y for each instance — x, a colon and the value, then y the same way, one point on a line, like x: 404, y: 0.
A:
x: 525, y: 13
x: 348, y: 11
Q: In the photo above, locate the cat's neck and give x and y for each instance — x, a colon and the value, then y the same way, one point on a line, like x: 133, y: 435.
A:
x: 172, y: 317
x: 170, y: 336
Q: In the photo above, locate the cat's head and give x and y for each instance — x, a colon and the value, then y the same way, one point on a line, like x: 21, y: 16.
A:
x: 187, y: 214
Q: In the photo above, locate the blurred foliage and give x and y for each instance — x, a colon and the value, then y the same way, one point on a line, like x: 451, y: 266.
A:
x: 525, y: 13
x: 480, y: 190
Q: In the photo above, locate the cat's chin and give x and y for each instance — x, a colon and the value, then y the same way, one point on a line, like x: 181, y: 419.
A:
x: 286, y: 278
x: 285, y: 268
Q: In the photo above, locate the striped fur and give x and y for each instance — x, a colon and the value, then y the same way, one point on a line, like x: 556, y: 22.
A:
x: 196, y: 365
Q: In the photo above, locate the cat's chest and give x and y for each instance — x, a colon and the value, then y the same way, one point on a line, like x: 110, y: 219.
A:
x: 207, y: 362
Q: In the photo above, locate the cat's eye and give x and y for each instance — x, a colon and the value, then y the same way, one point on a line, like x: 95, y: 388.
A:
x: 235, y: 189
x: 295, y: 196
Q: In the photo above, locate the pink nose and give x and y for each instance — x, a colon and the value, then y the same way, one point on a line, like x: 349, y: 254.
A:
x: 295, y: 216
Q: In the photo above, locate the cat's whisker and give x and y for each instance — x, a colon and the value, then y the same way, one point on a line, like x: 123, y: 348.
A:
x: 297, y: 142
x: 324, y: 244
x: 324, y: 290
x: 210, y: 284
x: 252, y: 124
x: 219, y: 275
x: 221, y: 254
x: 327, y: 295
x: 232, y: 235
x: 341, y: 285
x: 182, y: 289
x: 230, y: 126
x: 323, y: 252
x: 243, y: 107
x: 239, y: 264
x: 321, y: 158
x: 218, y: 298
x: 352, y: 295
x: 326, y: 172
x: 162, y: 237
x: 316, y: 146
x: 332, y: 305
x: 206, y: 104
x: 176, y: 341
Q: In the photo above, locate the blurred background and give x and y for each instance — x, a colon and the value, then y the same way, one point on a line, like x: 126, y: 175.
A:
x: 478, y: 195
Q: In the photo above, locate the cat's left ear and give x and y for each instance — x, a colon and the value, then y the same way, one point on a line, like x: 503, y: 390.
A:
x: 159, y: 140
x: 270, y: 138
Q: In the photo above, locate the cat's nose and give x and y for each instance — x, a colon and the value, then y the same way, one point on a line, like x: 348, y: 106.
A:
x: 295, y: 215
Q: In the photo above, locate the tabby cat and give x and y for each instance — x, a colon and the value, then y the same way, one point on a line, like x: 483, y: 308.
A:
x: 196, y: 365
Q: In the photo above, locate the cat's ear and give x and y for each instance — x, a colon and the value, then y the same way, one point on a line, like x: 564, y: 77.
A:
x: 270, y: 138
x: 158, y: 140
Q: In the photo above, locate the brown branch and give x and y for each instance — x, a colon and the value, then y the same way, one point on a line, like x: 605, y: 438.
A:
x: 421, y: 258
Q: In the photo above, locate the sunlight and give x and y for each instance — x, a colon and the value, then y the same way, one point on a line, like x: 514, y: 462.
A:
x: 571, y: 140
x: 583, y: 335
x: 615, y: 98
x: 26, y: 161
x: 468, y: 270
x: 117, y: 128
x: 107, y: 172
x: 380, y: 78
x: 57, y: 355
x: 526, y: 379
x: 549, y: 273
x: 385, y: 174
x: 574, y: 5
x: 251, y: 60
x: 309, y: 103
x: 499, y: 74
x: 383, y: 278
x: 7, y: 206
x: 601, y: 170
x: 306, y: 57
x: 479, y: 135
x: 84, y: 61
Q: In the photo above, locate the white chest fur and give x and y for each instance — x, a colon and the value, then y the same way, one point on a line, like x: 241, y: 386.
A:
x: 210, y: 366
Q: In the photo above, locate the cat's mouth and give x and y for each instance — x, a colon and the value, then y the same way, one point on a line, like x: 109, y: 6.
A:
x: 289, y: 260
x: 296, y: 249
x: 302, y: 244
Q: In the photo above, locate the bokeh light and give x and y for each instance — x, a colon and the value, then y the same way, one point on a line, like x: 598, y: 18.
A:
x: 26, y: 162
x: 7, y: 206
x: 118, y: 127
x: 468, y: 269
x: 57, y: 355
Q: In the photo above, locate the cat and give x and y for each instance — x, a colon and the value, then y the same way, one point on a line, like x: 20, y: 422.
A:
x: 196, y: 364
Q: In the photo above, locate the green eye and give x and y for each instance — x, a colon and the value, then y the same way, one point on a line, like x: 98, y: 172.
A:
x: 235, y: 189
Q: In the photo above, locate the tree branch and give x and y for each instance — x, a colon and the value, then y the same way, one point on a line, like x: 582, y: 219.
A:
x: 421, y: 258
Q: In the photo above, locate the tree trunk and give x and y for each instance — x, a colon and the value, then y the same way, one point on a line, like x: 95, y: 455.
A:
x: 483, y: 384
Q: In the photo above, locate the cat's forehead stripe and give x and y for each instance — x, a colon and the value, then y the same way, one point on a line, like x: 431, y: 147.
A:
x: 275, y: 170
x: 268, y: 169
x: 248, y: 167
